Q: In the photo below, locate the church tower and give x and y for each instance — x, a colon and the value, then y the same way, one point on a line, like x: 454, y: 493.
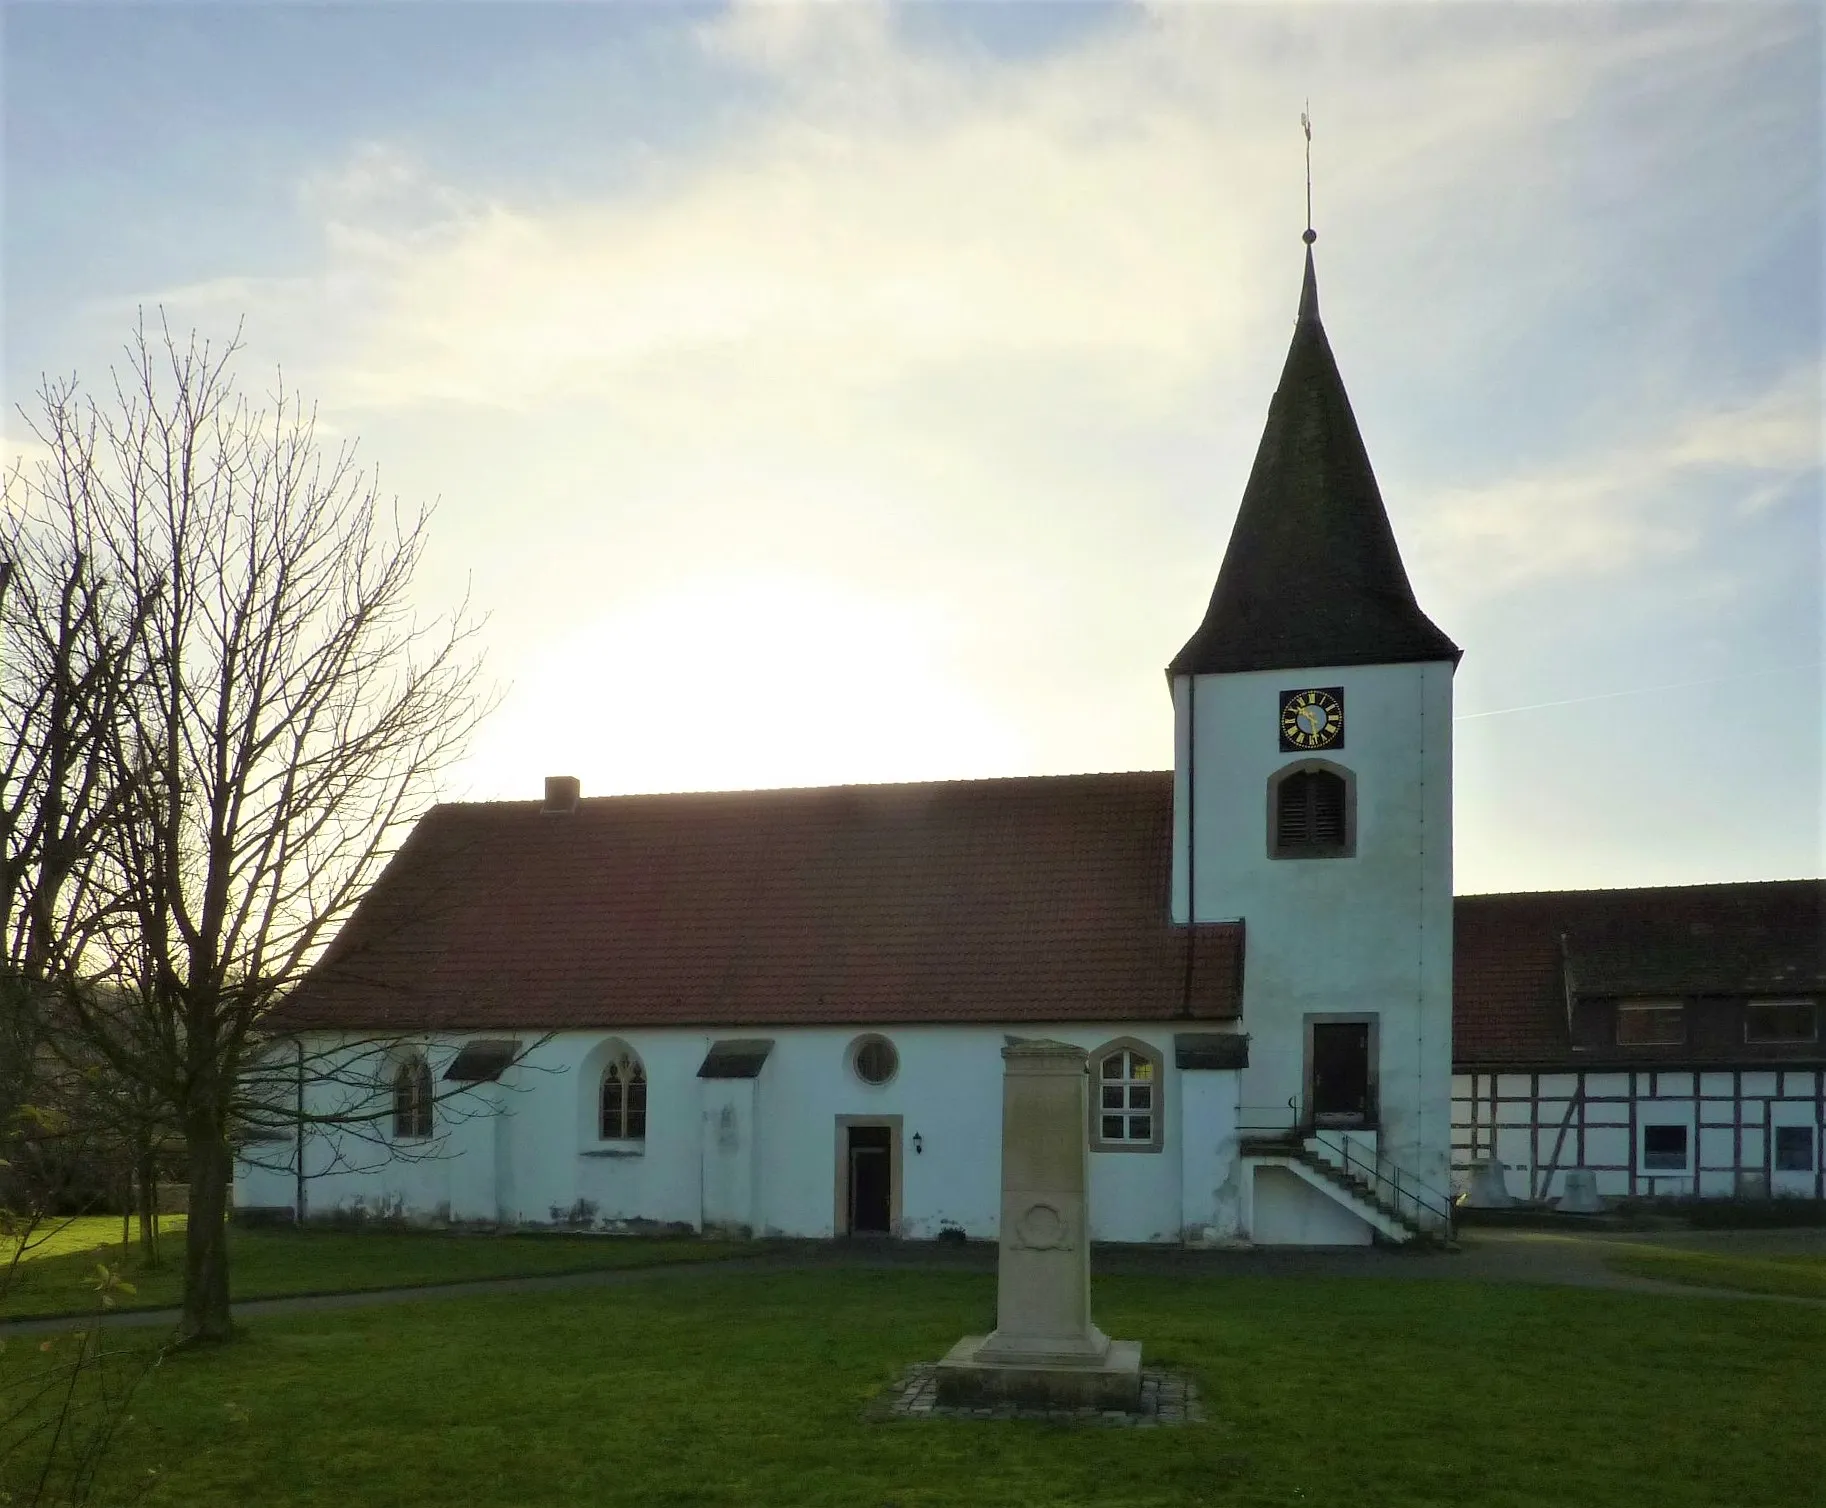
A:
x: 1313, y: 785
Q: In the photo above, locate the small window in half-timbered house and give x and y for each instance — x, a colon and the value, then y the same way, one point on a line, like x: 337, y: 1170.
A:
x: 1781, y: 1021
x: 1664, y: 1149
x: 1651, y: 1023
x: 1794, y: 1149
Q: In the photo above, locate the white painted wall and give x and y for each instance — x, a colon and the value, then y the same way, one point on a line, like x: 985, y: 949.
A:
x: 1288, y: 1211
x: 770, y: 1163
x: 1213, y: 1210
x: 1370, y: 933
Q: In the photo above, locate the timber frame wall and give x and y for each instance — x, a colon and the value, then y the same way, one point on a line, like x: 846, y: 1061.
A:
x: 1540, y: 1124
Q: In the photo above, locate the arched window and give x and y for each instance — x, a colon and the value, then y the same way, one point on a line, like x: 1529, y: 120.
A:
x: 412, y: 1100
x: 1312, y: 811
x: 1125, y: 1097
x: 624, y: 1099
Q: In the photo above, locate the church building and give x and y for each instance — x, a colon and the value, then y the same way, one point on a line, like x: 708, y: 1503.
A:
x: 782, y: 1012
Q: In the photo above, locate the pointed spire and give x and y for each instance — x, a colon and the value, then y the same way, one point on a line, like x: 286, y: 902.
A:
x: 1312, y: 575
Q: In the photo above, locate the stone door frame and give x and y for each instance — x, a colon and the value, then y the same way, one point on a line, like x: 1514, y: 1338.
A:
x: 840, y: 1219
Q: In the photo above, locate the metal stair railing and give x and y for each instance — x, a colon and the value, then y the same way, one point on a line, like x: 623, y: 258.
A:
x: 1398, y: 1191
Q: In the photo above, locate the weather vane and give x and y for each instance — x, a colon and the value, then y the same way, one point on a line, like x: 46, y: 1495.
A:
x: 1306, y: 126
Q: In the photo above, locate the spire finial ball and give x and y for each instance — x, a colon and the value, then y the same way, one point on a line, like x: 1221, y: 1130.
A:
x: 1309, y: 235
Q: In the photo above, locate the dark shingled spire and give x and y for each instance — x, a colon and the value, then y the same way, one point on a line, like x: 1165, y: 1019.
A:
x: 1312, y: 576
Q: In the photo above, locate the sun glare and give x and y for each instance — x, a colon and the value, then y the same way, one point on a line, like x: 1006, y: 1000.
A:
x: 736, y: 683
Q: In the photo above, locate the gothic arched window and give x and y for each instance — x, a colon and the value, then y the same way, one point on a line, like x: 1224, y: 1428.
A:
x: 1312, y: 811
x: 624, y: 1098
x: 412, y: 1098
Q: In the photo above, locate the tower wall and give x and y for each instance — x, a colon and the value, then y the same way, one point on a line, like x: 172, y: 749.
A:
x: 1369, y: 934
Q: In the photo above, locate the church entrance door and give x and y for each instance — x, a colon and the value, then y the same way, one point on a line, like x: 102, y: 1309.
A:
x: 1341, y: 1082
x: 871, y: 1180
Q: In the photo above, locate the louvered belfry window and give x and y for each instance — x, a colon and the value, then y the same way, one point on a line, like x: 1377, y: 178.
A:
x: 1311, y: 814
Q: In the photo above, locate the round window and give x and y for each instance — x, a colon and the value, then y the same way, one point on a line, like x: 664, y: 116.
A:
x: 875, y: 1060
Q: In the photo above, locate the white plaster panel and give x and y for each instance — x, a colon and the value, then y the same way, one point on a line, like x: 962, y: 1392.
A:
x: 1754, y: 1112
x: 1717, y: 1148
x: 1553, y: 1113
x: 1515, y: 1086
x: 1755, y: 1154
x: 1514, y: 1112
x: 1613, y: 1185
x: 1606, y: 1113
x: 1608, y: 1145
x: 1760, y: 1082
x: 1559, y: 1085
x: 1463, y: 1085
x: 1799, y: 1083
x: 1513, y: 1146
x: 1673, y: 1085
x: 1717, y: 1113
x: 1717, y: 1084
x: 1715, y: 1184
x: 1615, y: 1085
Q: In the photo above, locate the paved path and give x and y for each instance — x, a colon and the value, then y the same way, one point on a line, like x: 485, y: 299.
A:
x: 1484, y: 1256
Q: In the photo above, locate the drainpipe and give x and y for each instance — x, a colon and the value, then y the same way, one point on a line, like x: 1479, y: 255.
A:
x: 298, y: 1144
x: 1185, y: 1003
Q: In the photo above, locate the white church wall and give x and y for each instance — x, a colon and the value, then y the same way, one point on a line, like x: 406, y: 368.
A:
x: 1368, y: 934
x: 762, y: 1153
x: 1213, y: 1206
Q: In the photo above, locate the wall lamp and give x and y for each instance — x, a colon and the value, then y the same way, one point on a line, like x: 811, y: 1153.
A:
x: 919, y: 1144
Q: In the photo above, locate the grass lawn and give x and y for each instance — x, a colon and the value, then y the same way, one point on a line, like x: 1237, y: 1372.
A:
x: 714, y: 1389
x: 1804, y: 1276
x: 58, y: 1276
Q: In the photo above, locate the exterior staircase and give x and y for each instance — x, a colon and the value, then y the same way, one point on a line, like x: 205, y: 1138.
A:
x: 1373, y: 1192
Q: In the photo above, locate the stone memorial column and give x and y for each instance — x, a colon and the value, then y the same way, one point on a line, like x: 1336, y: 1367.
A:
x: 1044, y: 1350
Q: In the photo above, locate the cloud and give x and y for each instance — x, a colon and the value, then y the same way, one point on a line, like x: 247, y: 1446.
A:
x: 1639, y: 504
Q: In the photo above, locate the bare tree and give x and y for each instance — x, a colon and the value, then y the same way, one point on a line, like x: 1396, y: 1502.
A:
x: 284, y: 713
x: 66, y: 652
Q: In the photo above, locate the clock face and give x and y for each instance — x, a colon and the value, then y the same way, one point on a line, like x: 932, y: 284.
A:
x: 1312, y: 719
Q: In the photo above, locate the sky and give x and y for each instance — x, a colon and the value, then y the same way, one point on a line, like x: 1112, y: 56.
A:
x: 853, y: 393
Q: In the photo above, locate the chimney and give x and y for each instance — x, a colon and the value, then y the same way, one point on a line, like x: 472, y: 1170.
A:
x: 562, y: 793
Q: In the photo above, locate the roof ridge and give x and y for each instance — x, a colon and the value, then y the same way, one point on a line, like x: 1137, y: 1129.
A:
x: 1696, y: 885
x: 504, y: 803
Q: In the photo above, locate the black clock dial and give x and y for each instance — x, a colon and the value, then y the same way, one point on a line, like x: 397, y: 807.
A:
x: 1312, y: 719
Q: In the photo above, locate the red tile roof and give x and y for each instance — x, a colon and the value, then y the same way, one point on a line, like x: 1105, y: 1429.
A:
x: 989, y: 901
x: 1512, y: 955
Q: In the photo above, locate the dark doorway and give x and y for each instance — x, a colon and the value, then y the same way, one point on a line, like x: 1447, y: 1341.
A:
x: 1341, y: 1091
x: 871, y: 1180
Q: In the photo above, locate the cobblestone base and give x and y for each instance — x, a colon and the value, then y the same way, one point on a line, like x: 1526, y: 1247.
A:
x: 1168, y: 1400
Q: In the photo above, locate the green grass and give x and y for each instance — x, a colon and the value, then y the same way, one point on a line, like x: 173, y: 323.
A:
x: 1801, y: 1276
x: 724, y: 1389
x: 58, y: 1275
